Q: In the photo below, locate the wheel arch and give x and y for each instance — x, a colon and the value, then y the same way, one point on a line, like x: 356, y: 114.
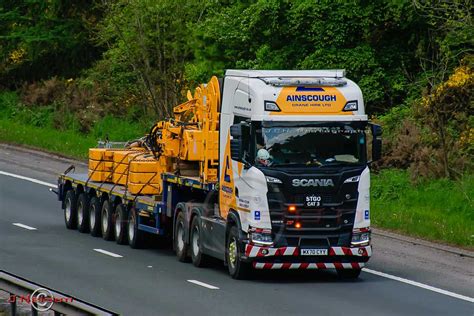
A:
x: 233, y: 219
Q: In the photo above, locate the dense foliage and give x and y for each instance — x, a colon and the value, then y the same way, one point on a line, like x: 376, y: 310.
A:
x: 76, y: 62
x: 40, y: 39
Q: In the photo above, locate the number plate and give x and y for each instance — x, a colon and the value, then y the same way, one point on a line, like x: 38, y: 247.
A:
x: 314, y: 252
x: 313, y: 201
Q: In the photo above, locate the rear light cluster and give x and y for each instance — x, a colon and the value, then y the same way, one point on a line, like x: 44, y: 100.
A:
x: 360, y: 237
x: 261, y: 236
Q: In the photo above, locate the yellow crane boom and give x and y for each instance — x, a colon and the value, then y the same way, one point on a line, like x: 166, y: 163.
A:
x: 185, y: 144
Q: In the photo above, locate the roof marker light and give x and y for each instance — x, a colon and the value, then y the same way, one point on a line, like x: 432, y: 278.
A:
x: 289, y: 82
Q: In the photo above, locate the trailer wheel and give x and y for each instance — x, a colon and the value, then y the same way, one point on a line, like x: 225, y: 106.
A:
x: 121, y: 218
x: 107, y: 220
x: 348, y: 274
x: 135, y: 236
x: 180, y: 244
x: 70, y: 210
x: 94, y: 216
x: 83, y: 213
x: 237, y: 269
x: 198, y: 258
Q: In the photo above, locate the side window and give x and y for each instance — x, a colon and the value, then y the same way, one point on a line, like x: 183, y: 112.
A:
x: 245, y: 138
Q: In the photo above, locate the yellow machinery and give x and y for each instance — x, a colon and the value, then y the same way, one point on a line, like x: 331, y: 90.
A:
x: 186, y: 144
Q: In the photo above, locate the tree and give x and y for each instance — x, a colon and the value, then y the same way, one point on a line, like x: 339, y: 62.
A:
x: 153, y: 40
x: 41, y: 39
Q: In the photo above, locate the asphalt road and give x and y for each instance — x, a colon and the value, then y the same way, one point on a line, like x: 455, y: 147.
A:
x: 152, y: 281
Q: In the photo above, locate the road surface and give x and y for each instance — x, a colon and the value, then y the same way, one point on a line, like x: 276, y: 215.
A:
x: 403, y: 278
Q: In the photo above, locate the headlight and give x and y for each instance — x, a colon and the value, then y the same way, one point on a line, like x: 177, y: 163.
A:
x: 271, y: 106
x: 351, y: 106
x: 260, y: 236
x: 273, y: 180
x: 352, y: 179
x: 360, y: 237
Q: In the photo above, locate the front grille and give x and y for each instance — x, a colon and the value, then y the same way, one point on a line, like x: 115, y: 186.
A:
x: 329, y: 224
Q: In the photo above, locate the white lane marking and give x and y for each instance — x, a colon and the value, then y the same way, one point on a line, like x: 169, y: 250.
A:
x: 28, y: 179
x: 418, y: 284
x: 212, y: 287
x: 108, y: 253
x: 24, y: 226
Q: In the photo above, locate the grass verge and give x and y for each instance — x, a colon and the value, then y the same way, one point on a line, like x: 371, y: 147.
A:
x: 438, y: 210
x: 67, y: 143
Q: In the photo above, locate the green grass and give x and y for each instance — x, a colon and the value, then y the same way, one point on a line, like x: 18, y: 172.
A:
x: 67, y: 143
x: 439, y: 210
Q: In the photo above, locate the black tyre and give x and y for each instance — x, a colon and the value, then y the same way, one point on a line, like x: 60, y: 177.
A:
x: 107, y: 220
x: 121, y: 218
x: 95, y: 209
x: 237, y: 269
x: 349, y: 274
x: 180, y: 244
x: 135, y: 236
x: 198, y: 258
x: 70, y: 210
x: 83, y: 213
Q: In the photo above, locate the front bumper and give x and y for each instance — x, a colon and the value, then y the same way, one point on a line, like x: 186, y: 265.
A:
x: 291, y: 258
x: 306, y: 265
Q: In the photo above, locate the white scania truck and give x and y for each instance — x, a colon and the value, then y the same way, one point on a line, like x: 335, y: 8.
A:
x: 292, y: 188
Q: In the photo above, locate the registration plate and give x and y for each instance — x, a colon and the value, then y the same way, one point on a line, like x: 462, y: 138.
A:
x: 313, y: 201
x: 314, y: 252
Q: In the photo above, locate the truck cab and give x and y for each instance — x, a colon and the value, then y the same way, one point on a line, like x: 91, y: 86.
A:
x: 294, y: 175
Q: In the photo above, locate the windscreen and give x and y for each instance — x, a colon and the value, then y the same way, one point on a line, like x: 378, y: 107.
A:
x: 309, y: 145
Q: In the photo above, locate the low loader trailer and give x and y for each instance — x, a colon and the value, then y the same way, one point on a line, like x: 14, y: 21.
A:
x: 260, y: 169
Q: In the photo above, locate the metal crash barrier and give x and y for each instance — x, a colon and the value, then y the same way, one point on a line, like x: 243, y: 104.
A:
x: 44, y: 299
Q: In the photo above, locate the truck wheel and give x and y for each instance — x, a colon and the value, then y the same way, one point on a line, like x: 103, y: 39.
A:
x: 121, y: 218
x: 70, y: 210
x: 107, y: 220
x: 135, y: 236
x: 83, y: 213
x: 349, y: 274
x: 237, y: 269
x: 181, y: 247
x: 94, y: 217
x: 198, y: 258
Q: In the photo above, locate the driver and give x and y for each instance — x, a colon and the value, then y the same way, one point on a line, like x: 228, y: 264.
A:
x: 263, y: 157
